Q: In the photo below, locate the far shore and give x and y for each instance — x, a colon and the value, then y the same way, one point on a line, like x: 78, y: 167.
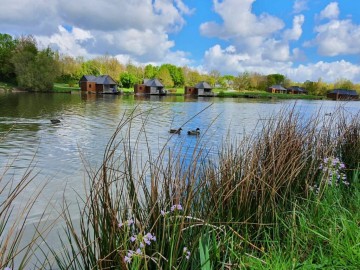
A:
x: 219, y: 93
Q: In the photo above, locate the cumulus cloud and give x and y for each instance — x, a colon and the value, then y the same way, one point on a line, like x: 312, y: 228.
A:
x: 336, y: 37
x: 257, y: 35
x: 331, y: 11
x: 229, y: 61
x: 245, y: 24
x: 139, y: 28
x: 67, y: 42
x: 327, y: 71
x: 300, y: 5
x: 296, y: 31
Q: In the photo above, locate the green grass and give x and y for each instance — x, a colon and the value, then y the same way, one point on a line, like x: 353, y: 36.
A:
x: 65, y: 88
x: 262, y: 95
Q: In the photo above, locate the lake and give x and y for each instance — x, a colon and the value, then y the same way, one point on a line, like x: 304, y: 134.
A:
x: 57, y: 151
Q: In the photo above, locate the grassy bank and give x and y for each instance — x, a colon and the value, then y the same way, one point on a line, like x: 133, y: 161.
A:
x: 287, y: 197
x: 263, y: 95
x: 65, y: 88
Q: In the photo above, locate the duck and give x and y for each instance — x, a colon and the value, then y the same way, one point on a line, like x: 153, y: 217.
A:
x: 194, y: 132
x: 175, y: 130
x: 55, y: 121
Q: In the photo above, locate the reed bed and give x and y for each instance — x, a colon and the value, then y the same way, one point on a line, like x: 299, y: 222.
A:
x: 251, y: 207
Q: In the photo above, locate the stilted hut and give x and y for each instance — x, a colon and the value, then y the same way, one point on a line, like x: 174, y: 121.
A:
x: 297, y: 90
x: 204, y: 89
x: 277, y: 88
x: 151, y: 87
x: 102, y: 84
x: 343, y: 94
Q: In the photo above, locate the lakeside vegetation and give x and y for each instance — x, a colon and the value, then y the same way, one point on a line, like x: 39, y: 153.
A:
x: 287, y: 197
x: 25, y: 65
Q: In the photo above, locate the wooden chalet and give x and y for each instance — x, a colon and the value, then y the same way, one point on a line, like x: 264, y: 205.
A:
x: 202, y: 89
x: 297, y: 90
x: 343, y: 94
x: 277, y: 88
x: 150, y: 87
x: 102, y: 84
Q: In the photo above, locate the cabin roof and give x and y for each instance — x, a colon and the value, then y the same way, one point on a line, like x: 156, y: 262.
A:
x: 297, y: 88
x: 344, y: 92
x: 102, y: 79
x: 88, y: 78
x: 153, y: 83
x: 203, y: 85
x: 278, y: 86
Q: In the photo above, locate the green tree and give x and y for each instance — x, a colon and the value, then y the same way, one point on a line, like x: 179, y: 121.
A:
x: 128, y: 80
x: 275, y: 79
x: 46, y: 70
x: 243, y: 81
x: 213, y: 77
x: 176, y: 74
x: 35, y: 70
x: 150, y: 71
x: 23, y: 60
x: 138, y: 72
x: 165, y: 77
x: 344, y: 84
x: 191, y: 77
x: 90, y: 67
x: 7, y: 48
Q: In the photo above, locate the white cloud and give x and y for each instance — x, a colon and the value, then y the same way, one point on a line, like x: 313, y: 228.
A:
x: 69, y: 43
x: 244, y: 24
x: 296, y: 31
x: 327, y: 71
x: 138, y: 27
x: 227, y: 61
x: 336, y: 37
x: 256, y: 35
x: 300, y: 5
x: 331, y: 11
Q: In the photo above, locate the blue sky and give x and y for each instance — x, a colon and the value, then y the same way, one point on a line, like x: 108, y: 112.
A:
x: 302, y: 39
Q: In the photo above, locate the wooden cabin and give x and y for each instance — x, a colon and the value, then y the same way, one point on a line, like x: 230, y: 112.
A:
x: 190, y: 91
x: 150, y: 87
x: 102, y: 84
x: 277, y: 88
x: 297, y: 90
x: 204, y: 89
x: 343, y: 94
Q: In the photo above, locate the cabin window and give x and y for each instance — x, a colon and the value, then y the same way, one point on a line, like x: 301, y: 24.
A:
x: 89, y: 85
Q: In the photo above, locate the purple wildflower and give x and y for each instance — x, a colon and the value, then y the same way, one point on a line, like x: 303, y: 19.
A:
x: 127, y: 259
x: 163, y: 213
x: 187, y: 253
x: 176, y: 207
x: 133, y: 238
x: 138, y: 251
x: 147, y: 241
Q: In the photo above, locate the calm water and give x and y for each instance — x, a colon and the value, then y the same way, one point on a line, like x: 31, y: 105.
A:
x: 27, y: 136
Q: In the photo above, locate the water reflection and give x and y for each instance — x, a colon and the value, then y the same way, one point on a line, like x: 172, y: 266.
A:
x: 88, y: 121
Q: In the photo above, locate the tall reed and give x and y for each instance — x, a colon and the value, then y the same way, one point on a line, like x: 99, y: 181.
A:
x: 156, y: 212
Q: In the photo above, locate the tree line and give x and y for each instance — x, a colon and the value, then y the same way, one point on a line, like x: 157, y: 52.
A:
x: 23, y: 63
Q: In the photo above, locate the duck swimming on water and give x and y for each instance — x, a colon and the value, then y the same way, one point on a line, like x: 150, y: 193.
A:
x: 55, y: 121
x: 175, y: 131
x: 194, y: 132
